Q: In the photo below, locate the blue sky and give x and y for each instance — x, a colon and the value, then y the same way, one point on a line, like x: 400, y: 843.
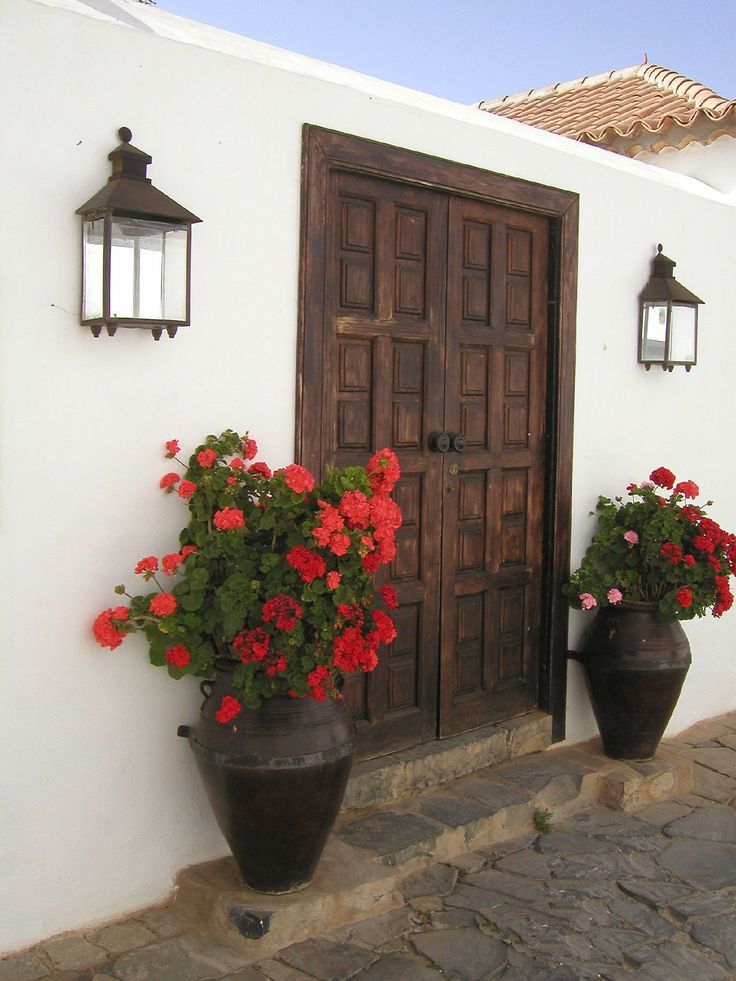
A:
x: 467, y: 50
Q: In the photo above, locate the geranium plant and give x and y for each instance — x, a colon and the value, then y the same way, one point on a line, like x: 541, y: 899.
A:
x: 657, y: 549
x: 273, y: 573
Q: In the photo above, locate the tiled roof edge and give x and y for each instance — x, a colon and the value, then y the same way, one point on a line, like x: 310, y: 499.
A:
x: 532, y: 95
x: 638, y: 126
x: 706, y: 100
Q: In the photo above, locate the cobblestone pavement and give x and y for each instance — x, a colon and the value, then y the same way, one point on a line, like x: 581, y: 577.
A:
x: 605, y: 894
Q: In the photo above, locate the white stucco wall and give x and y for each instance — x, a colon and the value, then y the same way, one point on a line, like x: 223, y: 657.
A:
x: 100, y: 801
x: 713, y: 163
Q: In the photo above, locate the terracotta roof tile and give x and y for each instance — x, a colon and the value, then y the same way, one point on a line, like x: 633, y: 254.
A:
x: 604, y: 109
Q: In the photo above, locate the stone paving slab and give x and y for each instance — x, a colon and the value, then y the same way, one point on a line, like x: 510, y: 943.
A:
x: 73, y: 953
x: 328, y: 960
x: 24, y: 967
x: 607, y: 893
x: 391, y: 836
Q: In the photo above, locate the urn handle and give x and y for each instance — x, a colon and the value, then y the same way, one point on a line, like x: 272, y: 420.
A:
x: 206, y: 688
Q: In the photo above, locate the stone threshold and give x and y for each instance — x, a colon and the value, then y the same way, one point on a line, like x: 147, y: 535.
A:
x: 439, y: 761
x: 373, y: 849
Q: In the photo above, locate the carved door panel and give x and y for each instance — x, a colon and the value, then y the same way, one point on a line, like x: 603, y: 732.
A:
x: 493, y: 502
x: 383, y: 376
x: 433, y: 312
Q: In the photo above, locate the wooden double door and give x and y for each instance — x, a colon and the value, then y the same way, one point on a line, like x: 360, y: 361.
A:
x: 426, y: 332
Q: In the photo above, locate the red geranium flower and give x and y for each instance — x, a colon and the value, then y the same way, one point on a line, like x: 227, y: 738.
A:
x: 371, y: 562
x: 172, y: 448
x: 688, y: 488
x: 351, y: 611
x: 163, y: 604
x: 383, y: 471
x: 229, y: 518
x: 385, y: 626
x: 168, y: 480
x: 229, y: 708
x: 252, y: 645
x: 185, y: 489
x: 178, y: 656
x: 671, y: 552
x: 250, y: 448
x: 298, y: 479
x: 712, y: 530
x: 339, y: 544
x: 262, y: 469
x: 106, y: 633
x: 278, y: 666
x: 388, y: 593
x: 318, y: 681
x: 356, y: 507
x: 284, y: 610
x: 349, y: 648
x: 329, y: 532
x: 333, y: 580
x: 308, y: 565
x: 205, y: 458
x: 171, y: 562
x: 147, y: 566
x: 684, y: 597
x: 662, y: 477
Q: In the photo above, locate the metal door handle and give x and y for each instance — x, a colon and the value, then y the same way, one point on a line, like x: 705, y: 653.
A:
x: 439, y: 442
x: 459, y: 442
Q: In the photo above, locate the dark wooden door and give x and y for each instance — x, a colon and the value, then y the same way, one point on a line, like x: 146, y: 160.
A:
x: 492, y: 517
x: 383, y: 383
x: 434, y: 321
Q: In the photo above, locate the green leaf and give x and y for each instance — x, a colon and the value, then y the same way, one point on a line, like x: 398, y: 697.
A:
x: 193, y: 600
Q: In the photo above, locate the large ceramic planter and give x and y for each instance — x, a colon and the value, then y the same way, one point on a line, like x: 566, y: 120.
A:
x: 635, y: 664
x: 275, y: 778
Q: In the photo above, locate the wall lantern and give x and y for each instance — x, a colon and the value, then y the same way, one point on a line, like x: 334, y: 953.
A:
x: 136, y: 251
x: 668, y: 331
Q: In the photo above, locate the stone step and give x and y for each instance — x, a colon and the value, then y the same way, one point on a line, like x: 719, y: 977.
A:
x: 373, y: 850
x: 432, y: 764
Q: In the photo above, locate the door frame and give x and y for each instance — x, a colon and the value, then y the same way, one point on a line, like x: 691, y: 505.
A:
x: 325, y: 151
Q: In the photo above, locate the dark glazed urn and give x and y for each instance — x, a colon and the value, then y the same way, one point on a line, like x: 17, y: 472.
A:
x: 275, y: 777
x: 635, y: 663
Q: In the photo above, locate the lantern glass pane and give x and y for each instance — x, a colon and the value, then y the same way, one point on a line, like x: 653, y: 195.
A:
x: 682, y: 334
x: 92, y: 251
x: 654, y: 332
x: 148, y: 270
x: 175, y: 273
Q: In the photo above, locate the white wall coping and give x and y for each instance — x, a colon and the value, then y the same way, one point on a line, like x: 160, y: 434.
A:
x: 144, y: 17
